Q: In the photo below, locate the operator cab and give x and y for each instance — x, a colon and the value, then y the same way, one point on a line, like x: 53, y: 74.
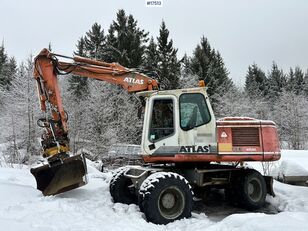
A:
x: 178, y: 122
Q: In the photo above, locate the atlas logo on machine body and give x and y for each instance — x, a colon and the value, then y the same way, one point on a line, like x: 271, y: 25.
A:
x: 133, y: 81
x: 195, y: 149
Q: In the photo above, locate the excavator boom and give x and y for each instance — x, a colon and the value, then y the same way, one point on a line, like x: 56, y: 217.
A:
x: 64, y: 172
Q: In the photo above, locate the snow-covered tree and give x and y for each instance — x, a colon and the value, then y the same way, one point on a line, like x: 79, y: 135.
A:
x: 21, y: 111
x: 305, y: 84
x: 291, y: 115
x: 187, y: 78
x: 256, y: 82
x: 295, y: 81
x: 276, y: 82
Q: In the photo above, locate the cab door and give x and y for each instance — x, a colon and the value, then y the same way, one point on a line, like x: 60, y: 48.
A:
x: 160, y: 134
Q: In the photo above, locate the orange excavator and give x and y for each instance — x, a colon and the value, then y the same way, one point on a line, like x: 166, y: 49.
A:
x: 186, y: 151
x: 63, y: 173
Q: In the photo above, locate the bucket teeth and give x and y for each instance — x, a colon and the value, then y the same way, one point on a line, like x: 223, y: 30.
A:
x: 61, y: 176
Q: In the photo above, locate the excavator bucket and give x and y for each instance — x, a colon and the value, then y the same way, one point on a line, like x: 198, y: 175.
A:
x: 68, y: 174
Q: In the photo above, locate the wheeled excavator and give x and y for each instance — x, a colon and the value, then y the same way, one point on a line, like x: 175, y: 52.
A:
x: 185, y: 150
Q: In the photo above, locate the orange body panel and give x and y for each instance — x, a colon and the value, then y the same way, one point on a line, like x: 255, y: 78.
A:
x: 252, y: 137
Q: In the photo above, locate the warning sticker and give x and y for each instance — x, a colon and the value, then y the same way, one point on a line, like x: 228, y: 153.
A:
x: 223, y: 135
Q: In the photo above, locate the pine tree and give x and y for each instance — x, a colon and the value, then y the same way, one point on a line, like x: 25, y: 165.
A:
x: 256, y: 82
x: 202, y: 57
x: 277, y: 82
x: 290, y: 80
x: 150, y: 65
x: 8, y: 68
x: 295, y: 81
x: 168, y: 64
x: 94, y: 42
x: 78, y: 86
x: 209, y: 66
x: 218, y: 74
x: 298, y: 80
x: 187, y: 78
x: 126, y: 41
x: 305, y: 84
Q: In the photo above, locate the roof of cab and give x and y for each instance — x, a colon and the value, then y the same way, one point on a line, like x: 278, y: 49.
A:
x: 173, y: 92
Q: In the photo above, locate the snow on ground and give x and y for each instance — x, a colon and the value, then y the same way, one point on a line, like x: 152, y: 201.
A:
x: 22, y: 207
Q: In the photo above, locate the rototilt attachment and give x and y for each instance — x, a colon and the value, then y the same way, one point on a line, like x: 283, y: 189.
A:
x: 61, y: 175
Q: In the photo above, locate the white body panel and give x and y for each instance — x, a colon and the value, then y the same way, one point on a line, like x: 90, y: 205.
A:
x: 203, y: 135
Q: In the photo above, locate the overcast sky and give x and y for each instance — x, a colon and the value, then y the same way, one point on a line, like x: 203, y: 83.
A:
x: 244, y: 31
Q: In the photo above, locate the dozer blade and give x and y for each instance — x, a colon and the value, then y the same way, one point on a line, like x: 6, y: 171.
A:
x: 62, y: 176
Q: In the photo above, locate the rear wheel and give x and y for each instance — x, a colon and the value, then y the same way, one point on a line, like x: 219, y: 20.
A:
x: 251, y: 190
x: 165, y: 197
x: 122, y: 188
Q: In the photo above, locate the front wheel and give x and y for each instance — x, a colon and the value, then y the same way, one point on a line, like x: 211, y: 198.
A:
x: 165, y: 197
x: 122, y: 188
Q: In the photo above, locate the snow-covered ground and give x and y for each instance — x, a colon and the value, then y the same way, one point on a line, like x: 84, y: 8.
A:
x: 22, y: 207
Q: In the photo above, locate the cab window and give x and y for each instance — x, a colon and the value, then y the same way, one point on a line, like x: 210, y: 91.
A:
x: 193, y: 111
x: 162, y: 119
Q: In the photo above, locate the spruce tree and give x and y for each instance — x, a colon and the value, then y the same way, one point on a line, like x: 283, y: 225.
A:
x: 187, y: 79
x: 256, y: 82
x: 277, y: 82
x: 298, y: 81
x: 295, y: 81
x: 8, y: 68
x: 168, y: 64
x: 305, y: 84
x: 218, y: 74
x: 202, y: 57
x: 150, y: 65
x: 78, y: 86
x: 95, y: 42
x: 290, y: 80
x: 126, y: 41
x: 209, y: 66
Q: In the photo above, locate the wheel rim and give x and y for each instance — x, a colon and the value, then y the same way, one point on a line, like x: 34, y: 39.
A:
x: 171, y: 202
x: 255, y: 190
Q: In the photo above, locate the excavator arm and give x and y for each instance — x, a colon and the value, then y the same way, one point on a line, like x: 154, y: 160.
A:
x: 55, y: 142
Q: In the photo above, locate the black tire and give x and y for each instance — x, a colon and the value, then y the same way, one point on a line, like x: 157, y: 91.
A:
x: 140, y: 200
x: 114, y: 176
x: 231, y: 191
x: 251, y: 191
x: 165, y: 197
x: 122, y: 189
